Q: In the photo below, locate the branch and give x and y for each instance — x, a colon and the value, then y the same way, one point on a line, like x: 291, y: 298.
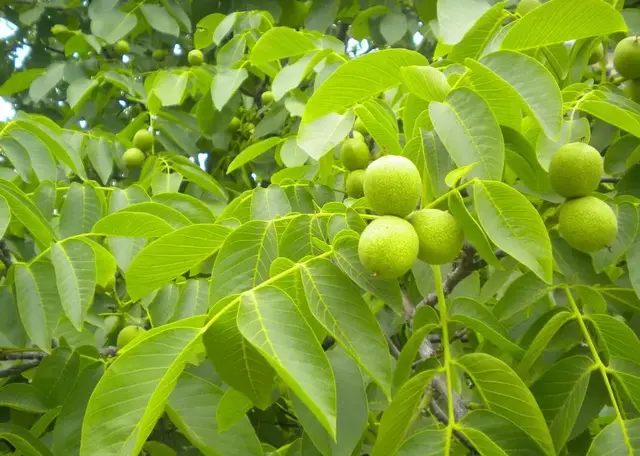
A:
x: 610, y: 180
x: 465, y: 267
x: 444, y: 419
x: 17, y: 370
x: 32, y: 359
x: 5, y: 254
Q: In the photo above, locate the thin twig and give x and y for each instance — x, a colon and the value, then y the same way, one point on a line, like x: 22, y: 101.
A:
x: 444, y: 419
x: 5, y: 254
x: 465, y: 267
x: 33, y: 358
x: 395, y: 351
x: 20, y: 368
x: 610, y: 180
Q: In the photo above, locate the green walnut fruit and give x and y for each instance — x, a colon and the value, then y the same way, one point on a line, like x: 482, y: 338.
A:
x: 267, y: 98
x: 195, y: 57
x: 354, y: 154
x: 388, y: 247
x: 632, y: 89
x: 234, y: 125
x: 158, y: 55
x: 121, y: 47
x: 587, y: 224
x: 597, y: 54
x: 128, y: 333
x: 354, y: 183
x: 526, y: 6
x: 359, y: 127
x: 392, y: 185
x: 57, y: 29
x: 575, y: 170
x: 143, y: 139
x: 133, y: 157
x: 439, y: 235
x: 626, y: 58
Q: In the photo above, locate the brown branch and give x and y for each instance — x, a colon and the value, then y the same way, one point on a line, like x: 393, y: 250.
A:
x: 610, y: 180
x: 466, y: 265
x: 439, y: 414
x: 32, y: 358
x: 20, y: 368
x: 5, y: 254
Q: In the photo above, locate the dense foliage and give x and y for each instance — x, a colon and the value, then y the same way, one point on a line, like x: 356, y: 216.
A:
x: 320, y: 227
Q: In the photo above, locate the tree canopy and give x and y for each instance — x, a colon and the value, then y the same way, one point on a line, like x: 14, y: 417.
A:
x: 328, y: 227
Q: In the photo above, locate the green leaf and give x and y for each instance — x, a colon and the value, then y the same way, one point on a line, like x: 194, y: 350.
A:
x: 240, y: 365
x: 491, y: 433
x: 192, y: 208
x: 19, y: 81
x: 129, y: 399
x: 193, y: 300
x: 244, y: 259
x: 352, y: 409
x: 297, y: 241
x: 196, y: 175
x: 293, y: 74
x: 514, y: 225
x: 24, y: 397
x: 66, y: 433
x: 291, y: 154
x: 43, y: 84
x: 172, y: 216
x: 170, y: 88
x: 268, y: 318
x: 112, y: 25
x: 171, y: 255
x: 18, y: 156
x: 203, y: 36
x: 542, y: 339
x: 506, y: 395
x: 75, y: 265
x: 522, y: 159
x: 336, y: 302
x: 82, y: 208
x: 225, y: 84
x: 163, y: 306
x: 5, y: 216
x: 564, y: 23
x: 401, y: 413
x: 44, y: 131
x: 280, y: 43
x: 404, y: 365
x: 426, y: 82
x: 345, y: 251
x: 530, y: 81
x: 473, y: 314
x: 252, y: 152
x: 560, y: 393
x: 27, y: 213
x: 269, y: 203
x: 23, y: 441
x: 472, y: 229
x: 427, y: 442
x: 132, y: 224
x: 78, y: 92
x: 56, y: 375
x: 233, y: 407
x: 477, y: 38
x: 470, y: 132
x: 358, y: 80
x: 159, y: 19
x: 321, y: 135
x: 192, y: 407
x: 617, y: 338
x: 455, y: 18
x: 100, y: 152
x: 617, y: 436
x: 38, y: 301
x: 381, y: 125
